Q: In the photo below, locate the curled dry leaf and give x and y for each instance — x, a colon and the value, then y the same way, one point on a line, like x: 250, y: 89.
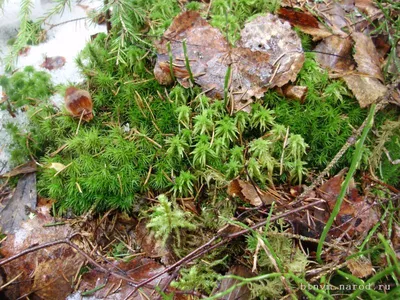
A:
x: 79, y: 103
x: 248, y: 193
x: 306, y: 22
x: 55, y: 62
x: 26, y: 168
x: 298, y: 18
x: 360, y: 267
x: 268, y: 54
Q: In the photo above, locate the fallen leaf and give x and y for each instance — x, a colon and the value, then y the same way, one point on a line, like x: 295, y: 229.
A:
x: 365, y: 217
x: 152, y: 247
x: 334, y: 53
x: 248, y: 193
x: 298, y: 18
x: 51, y: 63
x: 268, y: 54
x: 334, y: 15
x: 366, y: 90
x: 355, y: 214
x: 382, y: 45
x: 46, y: 273
x: 366, y: 56
x: 294, y: 92
x: 113, y: 288
x: 57, y: 166
x: 367, y: 7
x: 239, y: 293
x: 360, y: 267
x: 26, y: 168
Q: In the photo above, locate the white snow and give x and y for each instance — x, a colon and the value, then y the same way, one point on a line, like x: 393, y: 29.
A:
x: 65, y: 40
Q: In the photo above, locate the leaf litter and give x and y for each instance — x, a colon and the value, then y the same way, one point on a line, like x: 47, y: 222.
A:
x: 268, y: 54
x: 258, y: 62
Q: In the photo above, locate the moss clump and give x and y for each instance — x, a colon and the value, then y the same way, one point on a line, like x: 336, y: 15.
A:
x: 325, y: 120
x: 28, y: 87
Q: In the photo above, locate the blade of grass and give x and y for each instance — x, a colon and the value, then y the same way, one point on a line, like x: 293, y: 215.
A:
x: 353, y: 167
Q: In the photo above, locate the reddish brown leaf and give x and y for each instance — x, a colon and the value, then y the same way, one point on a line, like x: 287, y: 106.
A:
x: 51, y: 63
x: 138, y: 269
x: 268, y: 54
x: 248, y: 193
x: 298, y: 18
x: 355, y: 214
x: 152, y: 247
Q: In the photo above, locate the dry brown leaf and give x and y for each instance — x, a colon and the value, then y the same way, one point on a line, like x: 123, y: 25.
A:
x: 366, y: 56
x: 248, y: 193
x: 367, y: 90
x: 268, y: 54
x: 355, y: 214
x: 360, y: 267
x: 298, y: 18
x: 240, y: 293
x: 47, y: 273
x: 365, y: 217
x: 334, y: 15
x: 152, y: 247
x: 26, y: 168
x: 334, y: 53
x: 294, y: 92
x: 52, y: 63
x: 316, y: 33
x: 367, y: 7
x: 138, y: 269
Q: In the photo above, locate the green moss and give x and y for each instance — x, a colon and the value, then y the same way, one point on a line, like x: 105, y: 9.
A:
x: 27, y: 87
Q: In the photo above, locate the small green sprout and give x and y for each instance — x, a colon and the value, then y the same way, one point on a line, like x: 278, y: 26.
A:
x: 167, y: 218
x: 184, y: 184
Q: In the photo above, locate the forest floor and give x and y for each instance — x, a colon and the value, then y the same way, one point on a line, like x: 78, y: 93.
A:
x: 223, y: 149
